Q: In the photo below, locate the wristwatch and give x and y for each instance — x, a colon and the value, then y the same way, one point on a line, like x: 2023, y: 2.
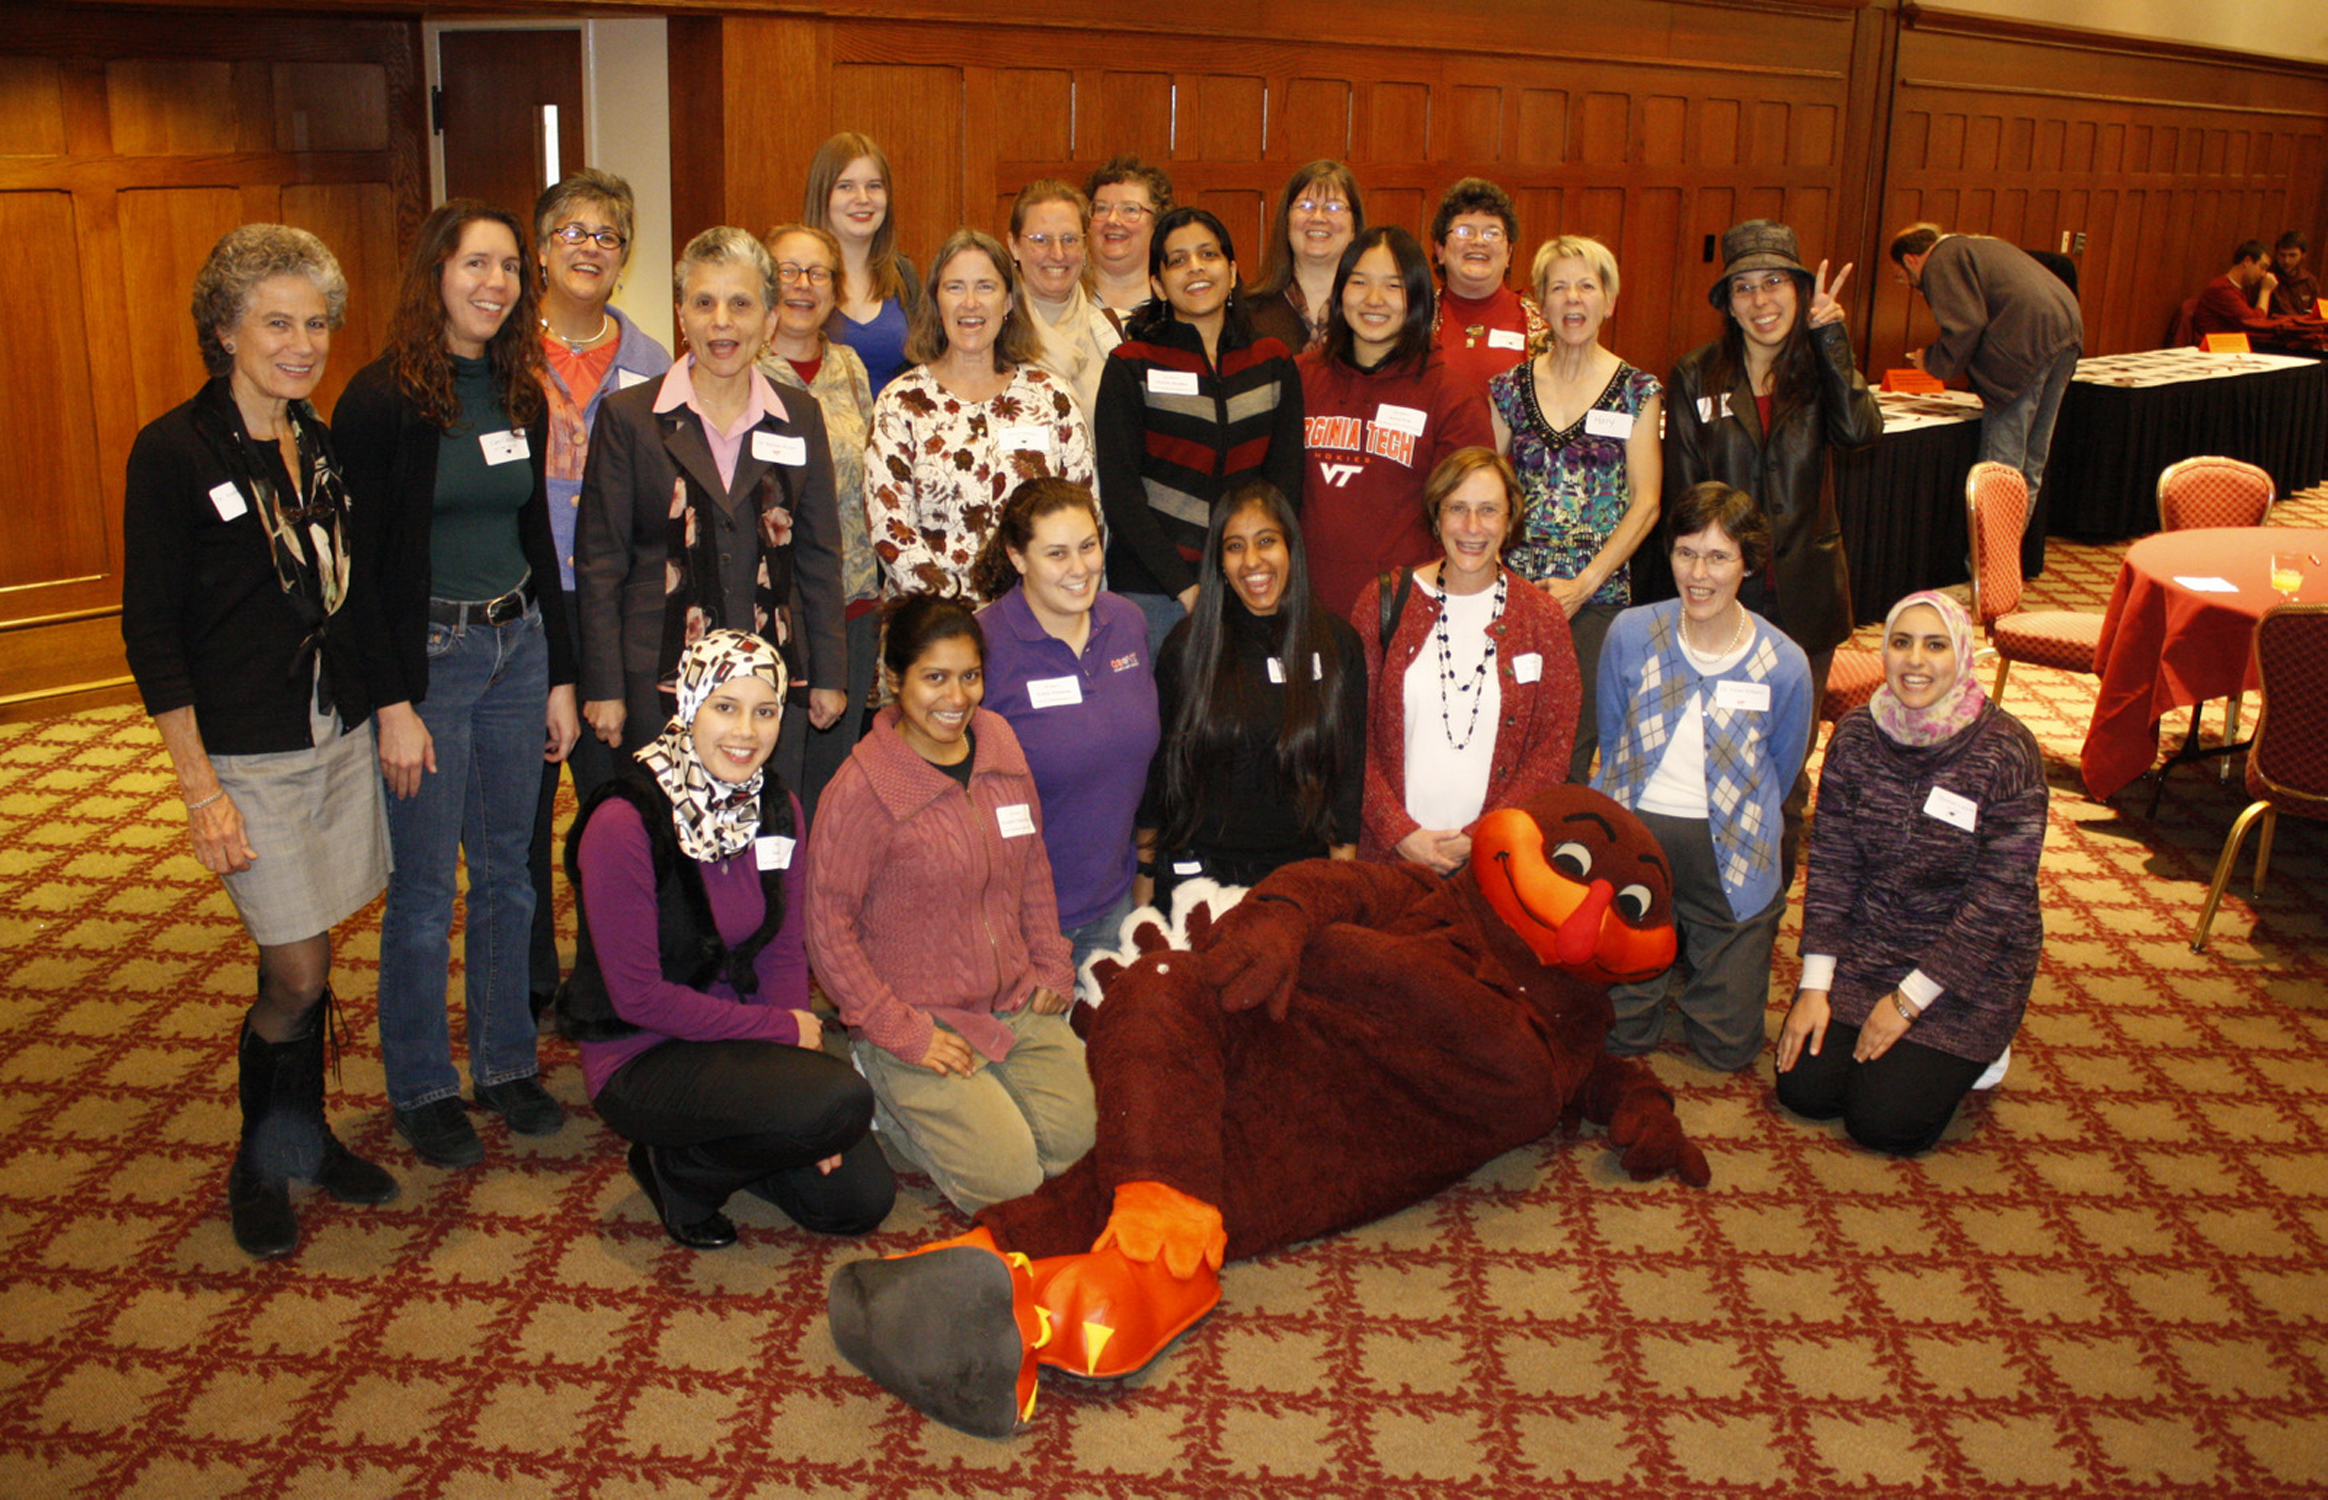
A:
x: 1908, y: 1013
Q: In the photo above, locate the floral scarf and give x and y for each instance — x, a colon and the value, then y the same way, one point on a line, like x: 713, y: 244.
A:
x: 1957, y: 707
x: 716, y: 819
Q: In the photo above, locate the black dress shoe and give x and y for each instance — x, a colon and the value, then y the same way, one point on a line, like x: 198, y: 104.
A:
x: 350, y: 1178
x: 713, y: 1232
x: 440, y: 1134
x: 524, y: 1103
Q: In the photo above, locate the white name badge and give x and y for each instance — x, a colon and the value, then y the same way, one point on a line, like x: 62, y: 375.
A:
x: 1187, y: 867
x: 1016, y: 821
x: 1754, y: 697
x: 774, y: 852
x: 1528, y: 666
x: 1713, y: 409
x: 228, y: 499
x: 789, y: 449
x: 504, y: 447
x: 1406, y: 419
x: 1172, y: 382
x: 1317, y: 669
x: 1020, y: 439
x: 1054, y: 692
x: 1950, y: 808
x: 1609, y: 424
x: 625, y: 379
x: 1506, y: 338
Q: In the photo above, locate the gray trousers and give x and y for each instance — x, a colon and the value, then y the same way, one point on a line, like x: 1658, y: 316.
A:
x: 1724, y: 965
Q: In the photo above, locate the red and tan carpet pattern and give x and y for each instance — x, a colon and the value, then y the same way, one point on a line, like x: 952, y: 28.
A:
x: 2112, y: 1280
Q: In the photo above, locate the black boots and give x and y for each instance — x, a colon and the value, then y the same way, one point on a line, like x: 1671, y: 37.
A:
x: 285, y: 1136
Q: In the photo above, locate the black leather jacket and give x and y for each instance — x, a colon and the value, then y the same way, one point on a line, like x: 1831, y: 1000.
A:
x: 1788, y: 475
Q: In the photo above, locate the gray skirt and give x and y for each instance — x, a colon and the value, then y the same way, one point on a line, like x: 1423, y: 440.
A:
x: 318, y: 820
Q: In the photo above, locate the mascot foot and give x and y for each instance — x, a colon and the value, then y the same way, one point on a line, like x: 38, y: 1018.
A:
x: 1111, y: 1315
x: 950, y: 1329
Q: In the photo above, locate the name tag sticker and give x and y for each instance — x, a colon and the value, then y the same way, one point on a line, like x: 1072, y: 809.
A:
x: 1172, y: 382
x: 789, y: 449
x: 774, y: 852
x: 1713, y: 409
x: 228, y: 499
x: 1276, y: 670
x: 1406, y: 419
x: 1317, y: 669
x: 1054, y: 692
x: 1528, y: 666
x: 1754, y: 697
x: 1611, y: 424
x: 1187, y: 867
x: 625, y: 379
x: 1952, y: 808
x: 1015, y: 820
x: 1024, y: 439
x: 1506, y: 338
x: 504, y: 447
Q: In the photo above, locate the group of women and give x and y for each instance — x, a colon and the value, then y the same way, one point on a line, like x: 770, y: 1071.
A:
x: 1372, y: 545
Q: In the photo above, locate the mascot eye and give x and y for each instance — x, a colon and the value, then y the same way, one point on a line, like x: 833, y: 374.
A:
x: 1573, y: 859
x: 1634, y: 901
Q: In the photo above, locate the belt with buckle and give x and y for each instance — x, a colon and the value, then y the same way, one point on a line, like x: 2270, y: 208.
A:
x: 482, y: 612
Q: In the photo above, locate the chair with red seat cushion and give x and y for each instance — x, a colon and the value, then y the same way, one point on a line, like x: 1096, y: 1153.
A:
x: 2287, y: 766
x: 1996, y: 504
x: 2210, y: 491
x: 1852, y: 678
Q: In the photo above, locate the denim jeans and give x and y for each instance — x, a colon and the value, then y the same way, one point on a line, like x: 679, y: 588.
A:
x: 2019, y: 433
x: 488, y: 689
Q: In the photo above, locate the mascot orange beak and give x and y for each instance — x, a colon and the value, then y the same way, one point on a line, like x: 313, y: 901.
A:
x: 1571, y: 923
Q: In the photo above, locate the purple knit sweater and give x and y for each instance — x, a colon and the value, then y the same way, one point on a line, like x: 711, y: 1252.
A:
x: 1892, y: 887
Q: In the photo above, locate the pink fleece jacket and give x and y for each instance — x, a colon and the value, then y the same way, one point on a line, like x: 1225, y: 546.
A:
x: 932, y: 904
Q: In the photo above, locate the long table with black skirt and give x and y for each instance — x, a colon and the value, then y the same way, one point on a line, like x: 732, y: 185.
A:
x: 2127, y: 416
x: 1901, y: 502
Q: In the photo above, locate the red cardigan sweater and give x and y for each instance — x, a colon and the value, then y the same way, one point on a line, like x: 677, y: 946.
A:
x: 927, y: 904
x: 1538, y: 724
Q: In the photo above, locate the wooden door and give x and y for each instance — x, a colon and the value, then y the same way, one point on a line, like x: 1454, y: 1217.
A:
x: 494, y: 85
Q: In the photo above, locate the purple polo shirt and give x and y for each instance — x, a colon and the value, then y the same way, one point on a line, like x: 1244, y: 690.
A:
x: 1090, y: 757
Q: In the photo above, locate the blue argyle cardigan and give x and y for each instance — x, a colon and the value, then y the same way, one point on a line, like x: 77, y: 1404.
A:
x: 1752, y: 758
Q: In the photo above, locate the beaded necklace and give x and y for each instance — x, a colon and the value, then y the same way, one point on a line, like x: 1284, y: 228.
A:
x: 1448, y: 686
x: 1707, y: 658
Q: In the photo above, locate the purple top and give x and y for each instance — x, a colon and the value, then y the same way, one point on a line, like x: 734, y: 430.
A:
x: 1089, y: 757
x: 618, y: 898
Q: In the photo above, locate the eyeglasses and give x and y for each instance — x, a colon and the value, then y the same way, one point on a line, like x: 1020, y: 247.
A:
x: 1332, y: 210
x: 575, y: 234
x: 1716, y: 559
x: 1130, y: 213
x: 1491, y: 235
x: 1046, y: 241
x: 1746, y: 284
x: 787, y: 270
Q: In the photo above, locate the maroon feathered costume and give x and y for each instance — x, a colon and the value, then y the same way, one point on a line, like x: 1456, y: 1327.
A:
x: 1348, y: 1040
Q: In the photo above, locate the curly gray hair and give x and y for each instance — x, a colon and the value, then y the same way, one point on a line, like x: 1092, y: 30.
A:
x: 725, y: 245
x: 239, y: 262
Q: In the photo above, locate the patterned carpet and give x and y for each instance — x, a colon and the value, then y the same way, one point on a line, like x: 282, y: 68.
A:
x: 2111, y: 1281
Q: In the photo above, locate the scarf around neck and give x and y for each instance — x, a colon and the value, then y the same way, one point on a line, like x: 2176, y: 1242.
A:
x: 715, y: 819
x: 1958, y: 705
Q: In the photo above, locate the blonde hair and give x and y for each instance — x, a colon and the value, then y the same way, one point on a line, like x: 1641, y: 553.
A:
x: 1574, y: 247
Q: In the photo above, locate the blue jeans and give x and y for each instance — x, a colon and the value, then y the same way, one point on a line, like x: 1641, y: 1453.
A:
x: 488, y: 689
x: 1162, y: 611
x: 1101, y: 932
x: 2019, y: 433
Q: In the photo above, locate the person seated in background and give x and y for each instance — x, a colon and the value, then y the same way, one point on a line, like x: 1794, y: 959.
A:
x: 2234, y: 302
x: 1706, y: 711
x: 1921, y: 925
x: 934, y: 927
x: 1472, y: 682
x: 689, y: 995
x: 2295, y: 290
x: 1480, y: 327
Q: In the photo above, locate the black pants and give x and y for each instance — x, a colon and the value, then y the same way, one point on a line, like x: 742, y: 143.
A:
x: 758, y: 1116
x: 591, y: 764
x: 1899, y: 1103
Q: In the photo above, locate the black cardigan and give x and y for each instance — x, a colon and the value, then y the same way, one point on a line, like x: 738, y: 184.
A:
x: 388, y: 453
x: 204, y: 619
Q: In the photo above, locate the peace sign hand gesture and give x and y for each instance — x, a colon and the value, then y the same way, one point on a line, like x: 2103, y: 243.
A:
x: 1824, y: 308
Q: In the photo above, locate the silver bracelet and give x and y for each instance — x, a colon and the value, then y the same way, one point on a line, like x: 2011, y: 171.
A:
x: 194, y: 807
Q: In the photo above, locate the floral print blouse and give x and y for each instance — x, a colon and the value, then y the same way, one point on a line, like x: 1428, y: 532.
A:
x: 845, y: 393
x: 938, y: 469
x: 1573, y: 482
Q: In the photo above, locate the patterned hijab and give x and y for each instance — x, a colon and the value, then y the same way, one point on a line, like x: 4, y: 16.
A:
x: 716, y: 819
x: 1959, y: 703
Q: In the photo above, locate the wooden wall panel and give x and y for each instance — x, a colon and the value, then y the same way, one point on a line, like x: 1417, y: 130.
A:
x: 129, y: 142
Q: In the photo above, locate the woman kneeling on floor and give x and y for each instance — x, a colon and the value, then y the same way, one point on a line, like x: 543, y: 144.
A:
x: 1921, y: 927
x: 690, y: 987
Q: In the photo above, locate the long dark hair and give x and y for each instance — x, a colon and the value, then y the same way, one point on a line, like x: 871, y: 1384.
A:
x: 416, y: 329
x: 1413, y: 348
x: 1236, y: 327
x: 816, y: 207
x: 1794, y: 371
x: 993, y: 575
x: 1217, y: 699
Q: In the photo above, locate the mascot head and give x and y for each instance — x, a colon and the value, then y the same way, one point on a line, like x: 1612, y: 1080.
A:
x: 1581, y: 881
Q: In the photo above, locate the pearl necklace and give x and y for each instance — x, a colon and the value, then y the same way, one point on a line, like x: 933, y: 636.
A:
x: 1709, y: 657
x: 1448, y: 686
x: 576, y: 346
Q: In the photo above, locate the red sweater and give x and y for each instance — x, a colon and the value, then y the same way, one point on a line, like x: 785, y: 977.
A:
x: 931, y: 903
x: 1372, y: 439
x: 1539, y: 718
